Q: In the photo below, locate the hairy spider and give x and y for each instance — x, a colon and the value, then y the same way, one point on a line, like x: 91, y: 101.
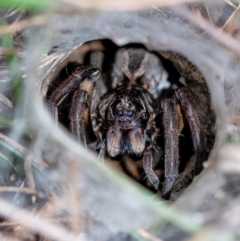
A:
x: 128, y: 120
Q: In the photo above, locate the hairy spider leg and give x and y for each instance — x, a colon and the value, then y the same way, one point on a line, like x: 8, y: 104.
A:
x: 80, y: 113
x: 171, y: 126
x: 192, y: 118
x: 80, y: 123
x: 81, y: 84
x: 147, y: 166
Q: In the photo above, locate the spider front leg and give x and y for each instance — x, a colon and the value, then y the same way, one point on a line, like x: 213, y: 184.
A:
x: 80, y: 112
x: 80, y: 122
x: 81, y: 84
x: 68, y: 86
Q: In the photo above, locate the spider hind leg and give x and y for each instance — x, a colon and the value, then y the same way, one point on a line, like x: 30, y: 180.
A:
x: 174, y: 111
x: 171, y: 126
x: 191, y: 117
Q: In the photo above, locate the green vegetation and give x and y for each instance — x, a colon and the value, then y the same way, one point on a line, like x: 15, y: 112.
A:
x: 31, y: 5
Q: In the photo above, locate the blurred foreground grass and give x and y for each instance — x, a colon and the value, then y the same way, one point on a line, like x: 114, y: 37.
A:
x: 169, y: 216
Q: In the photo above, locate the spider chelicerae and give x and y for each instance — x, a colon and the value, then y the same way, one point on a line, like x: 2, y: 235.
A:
x: 127, y: 119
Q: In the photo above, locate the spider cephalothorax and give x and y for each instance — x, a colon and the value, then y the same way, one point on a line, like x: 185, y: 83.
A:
x: 125, y: 122
x: 128, y: 113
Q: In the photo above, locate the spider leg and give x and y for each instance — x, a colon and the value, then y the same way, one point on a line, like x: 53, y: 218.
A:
x: 53, y: 108
x: 147, y: 166
x: 80, y: 113
x: 67, y: 87
x: 100, y: 143
x: 170, y: 122
x: 194, y: 124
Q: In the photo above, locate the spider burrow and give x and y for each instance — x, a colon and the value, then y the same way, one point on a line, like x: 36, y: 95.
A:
x: 125, y: 122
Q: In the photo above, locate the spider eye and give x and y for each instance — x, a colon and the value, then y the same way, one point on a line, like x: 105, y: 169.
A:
x: 119, y: 113
x: 130, y: 113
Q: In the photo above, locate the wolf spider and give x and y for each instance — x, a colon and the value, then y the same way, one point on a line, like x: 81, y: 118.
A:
x: 125, y: 122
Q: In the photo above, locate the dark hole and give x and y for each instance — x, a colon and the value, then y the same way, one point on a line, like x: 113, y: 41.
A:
x: 185, y: 150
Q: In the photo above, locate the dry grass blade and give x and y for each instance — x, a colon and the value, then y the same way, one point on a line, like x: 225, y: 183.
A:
x: 216, y: 33
x: 147, y: 236
x: 29, y: 174
x: 5, y: 101
x: 22, y: 149
x: 231, y: 27
x: 13, y: 143
x: 39, y: 225
x: 124, y: 5
x: 22, y: 190
x: 231, y: 3
x: 100, y: 5
x: 21, y: 25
